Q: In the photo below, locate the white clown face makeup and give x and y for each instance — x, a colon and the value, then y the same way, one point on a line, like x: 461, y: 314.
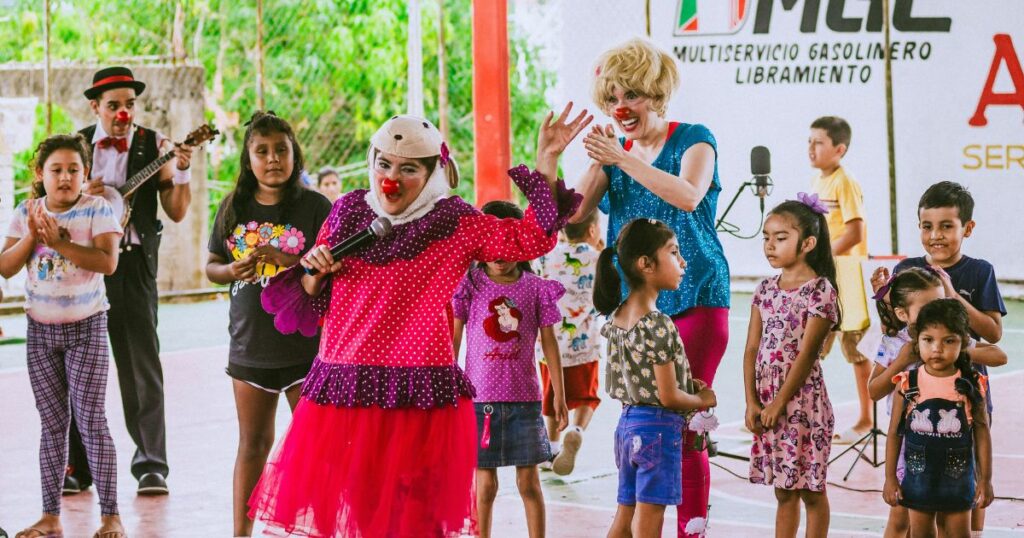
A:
x: 398, y: 181
x: 410, y: 169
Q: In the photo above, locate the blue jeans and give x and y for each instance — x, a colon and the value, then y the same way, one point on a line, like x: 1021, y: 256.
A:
x: 648, y: 453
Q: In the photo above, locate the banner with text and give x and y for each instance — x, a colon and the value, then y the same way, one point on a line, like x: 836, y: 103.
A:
x: 758, y: 72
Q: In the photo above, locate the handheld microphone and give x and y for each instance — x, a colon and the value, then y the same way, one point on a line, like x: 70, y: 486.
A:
x: 760, y: 168
x: 380, y: 227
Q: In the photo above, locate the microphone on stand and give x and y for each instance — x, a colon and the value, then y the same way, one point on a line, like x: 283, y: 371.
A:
x: 760, y: 168
x: 761, y: 185
x: 380, y: 227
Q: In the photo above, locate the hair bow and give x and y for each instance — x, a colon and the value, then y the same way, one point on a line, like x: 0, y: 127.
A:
x: 813, y: 202
x: 445, y: 155
x: 884, y: 290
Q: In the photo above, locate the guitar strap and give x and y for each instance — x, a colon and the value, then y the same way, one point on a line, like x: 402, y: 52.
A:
x: 143, y: 150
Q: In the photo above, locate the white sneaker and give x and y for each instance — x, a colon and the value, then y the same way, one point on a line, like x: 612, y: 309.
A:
x: 546, y: 465
x: 565, y: 461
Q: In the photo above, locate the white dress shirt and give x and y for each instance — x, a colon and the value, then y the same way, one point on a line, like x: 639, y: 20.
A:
x: 112, y: 166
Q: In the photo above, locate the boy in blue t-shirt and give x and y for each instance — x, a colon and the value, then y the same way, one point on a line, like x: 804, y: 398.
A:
x: 945, y: 218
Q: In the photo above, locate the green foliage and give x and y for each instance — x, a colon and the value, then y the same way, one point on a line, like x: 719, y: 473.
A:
x: 335, y: 68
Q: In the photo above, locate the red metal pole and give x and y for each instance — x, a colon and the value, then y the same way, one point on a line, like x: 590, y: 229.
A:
x: 491, y: 116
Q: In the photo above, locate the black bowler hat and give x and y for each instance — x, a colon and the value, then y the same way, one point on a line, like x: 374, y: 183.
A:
x: 113, y: 77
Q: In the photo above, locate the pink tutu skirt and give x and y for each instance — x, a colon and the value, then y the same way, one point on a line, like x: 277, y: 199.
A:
x: 368, y: 472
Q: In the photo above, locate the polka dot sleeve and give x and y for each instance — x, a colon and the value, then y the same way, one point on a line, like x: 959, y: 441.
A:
x: 507, y: 239
x: 535, y: 234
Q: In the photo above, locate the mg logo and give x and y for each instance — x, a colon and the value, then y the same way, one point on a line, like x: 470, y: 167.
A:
x: 709, y: 17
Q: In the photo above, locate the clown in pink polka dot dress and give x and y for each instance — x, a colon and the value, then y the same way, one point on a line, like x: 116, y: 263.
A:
x: 383, y: 441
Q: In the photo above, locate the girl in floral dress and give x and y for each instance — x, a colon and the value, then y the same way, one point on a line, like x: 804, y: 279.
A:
x: 383, y: 442
x: 263, y: 226
x: 788, y: 409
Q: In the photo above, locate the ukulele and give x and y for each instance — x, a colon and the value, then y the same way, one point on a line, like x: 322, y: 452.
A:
x: 120, y: 198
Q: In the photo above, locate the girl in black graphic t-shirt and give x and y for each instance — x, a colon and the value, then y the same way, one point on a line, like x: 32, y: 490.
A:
x: 262, y: 227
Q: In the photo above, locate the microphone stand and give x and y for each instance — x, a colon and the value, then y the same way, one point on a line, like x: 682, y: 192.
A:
x: 868, y: 439
x: 732, y: 229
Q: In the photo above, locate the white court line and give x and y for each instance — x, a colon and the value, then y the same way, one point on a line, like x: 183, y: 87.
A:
x: 163, y: 355
x: 713, y: 521
x: 750, y: 502
x: 744, y: 500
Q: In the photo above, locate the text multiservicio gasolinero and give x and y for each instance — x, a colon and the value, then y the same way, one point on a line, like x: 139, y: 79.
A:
x: 841, y: 62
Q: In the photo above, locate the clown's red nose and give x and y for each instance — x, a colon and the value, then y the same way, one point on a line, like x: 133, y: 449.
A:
x: 122, y: 116
x: 389, y: 186
x: 622, y: 113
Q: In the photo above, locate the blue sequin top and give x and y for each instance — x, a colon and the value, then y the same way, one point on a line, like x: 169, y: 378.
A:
x: 706, y: 282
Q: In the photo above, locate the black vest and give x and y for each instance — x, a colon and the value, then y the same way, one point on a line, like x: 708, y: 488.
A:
x: 143, y: 151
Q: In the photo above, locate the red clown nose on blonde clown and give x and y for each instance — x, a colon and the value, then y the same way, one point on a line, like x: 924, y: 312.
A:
x: 122, y: 116
x: 622, y: 113
x: 389, y: 186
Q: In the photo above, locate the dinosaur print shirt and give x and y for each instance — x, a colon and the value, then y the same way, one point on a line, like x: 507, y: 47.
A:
x: 502, y: 324
x: 579, y: 331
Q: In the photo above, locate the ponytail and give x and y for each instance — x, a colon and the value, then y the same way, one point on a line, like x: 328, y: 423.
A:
x: 638, y: 238
x: 607, y: 283
x: 891, y: 323
x: 969, y: 384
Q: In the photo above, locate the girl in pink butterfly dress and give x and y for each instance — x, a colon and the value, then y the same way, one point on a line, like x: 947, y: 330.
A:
x: 787, y: 405
x: 383, y: 441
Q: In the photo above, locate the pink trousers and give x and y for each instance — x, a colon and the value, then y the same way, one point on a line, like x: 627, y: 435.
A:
x: 705, y: 333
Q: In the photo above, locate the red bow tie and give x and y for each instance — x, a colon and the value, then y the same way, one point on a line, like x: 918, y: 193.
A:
x: 120, y: 144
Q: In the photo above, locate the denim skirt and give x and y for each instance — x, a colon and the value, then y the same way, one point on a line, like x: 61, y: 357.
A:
x: 516, y: 435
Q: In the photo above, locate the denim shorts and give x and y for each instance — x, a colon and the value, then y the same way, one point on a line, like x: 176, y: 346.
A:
x: 518, y: 437
x: 649, y: 455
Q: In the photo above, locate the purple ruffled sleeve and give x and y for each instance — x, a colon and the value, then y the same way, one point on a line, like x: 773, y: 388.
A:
x: 552, y: 213
x: 549, y: 293
x: 294, y: 309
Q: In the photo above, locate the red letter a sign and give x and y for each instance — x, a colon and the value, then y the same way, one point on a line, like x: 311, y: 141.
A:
x: 1004, y: 53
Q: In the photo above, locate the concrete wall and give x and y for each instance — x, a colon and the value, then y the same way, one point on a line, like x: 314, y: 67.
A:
x: 173, y: 104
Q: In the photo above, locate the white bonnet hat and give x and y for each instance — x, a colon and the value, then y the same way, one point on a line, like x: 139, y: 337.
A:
x: 412, y: 137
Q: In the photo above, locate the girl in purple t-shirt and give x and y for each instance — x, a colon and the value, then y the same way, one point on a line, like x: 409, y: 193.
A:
x: 505, y: 306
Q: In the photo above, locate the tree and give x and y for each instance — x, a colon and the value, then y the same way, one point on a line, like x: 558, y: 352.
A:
x: 334, y: 69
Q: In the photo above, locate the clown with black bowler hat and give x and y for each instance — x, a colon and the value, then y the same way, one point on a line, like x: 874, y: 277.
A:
x: 120, y: 149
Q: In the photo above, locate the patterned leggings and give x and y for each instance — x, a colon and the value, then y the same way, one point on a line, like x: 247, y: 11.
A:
x: 705, y: 333
x: 69, y: 361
